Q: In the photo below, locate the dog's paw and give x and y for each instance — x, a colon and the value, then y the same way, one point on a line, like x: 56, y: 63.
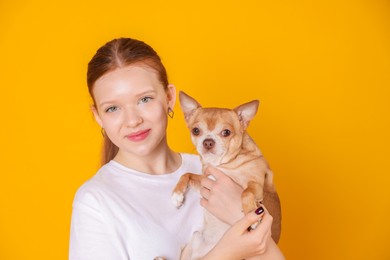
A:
x: 178, y: 199
x: 254, y: 225
x: 159, y: 258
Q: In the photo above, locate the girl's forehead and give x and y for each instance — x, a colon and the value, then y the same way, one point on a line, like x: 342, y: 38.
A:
x: 129, y: 80
x: 132, y: 73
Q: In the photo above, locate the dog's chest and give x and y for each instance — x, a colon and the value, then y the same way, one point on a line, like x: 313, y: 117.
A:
x: 244, y: 172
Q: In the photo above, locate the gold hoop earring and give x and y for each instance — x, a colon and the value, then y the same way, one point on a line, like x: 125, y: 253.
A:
x: 170, y: 112
x: 103, y: 132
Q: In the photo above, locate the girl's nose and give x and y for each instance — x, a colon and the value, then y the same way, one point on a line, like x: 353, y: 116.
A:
x: 132, y: 118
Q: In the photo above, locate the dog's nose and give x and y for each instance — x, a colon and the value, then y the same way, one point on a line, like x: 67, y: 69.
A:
x: 208, y: 144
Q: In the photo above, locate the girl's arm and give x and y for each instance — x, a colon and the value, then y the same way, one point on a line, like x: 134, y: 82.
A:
x: 239, y: 243
x: 89, y: 237
x: 222, y: 198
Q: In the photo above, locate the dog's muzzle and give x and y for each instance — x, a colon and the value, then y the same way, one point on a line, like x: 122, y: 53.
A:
x: 208, y: 144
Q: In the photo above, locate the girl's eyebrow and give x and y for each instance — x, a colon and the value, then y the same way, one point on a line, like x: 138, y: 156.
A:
x: 150, y: 91
x: 104, y: 103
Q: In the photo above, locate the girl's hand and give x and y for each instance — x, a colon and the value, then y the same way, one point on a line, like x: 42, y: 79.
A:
x: 239, y: 243
x: 221, y: 196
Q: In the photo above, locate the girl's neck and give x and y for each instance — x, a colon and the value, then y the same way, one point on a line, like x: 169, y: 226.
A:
x: 160, y: 162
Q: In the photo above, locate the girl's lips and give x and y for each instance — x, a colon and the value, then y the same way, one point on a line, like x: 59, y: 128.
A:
x: 138, y: 136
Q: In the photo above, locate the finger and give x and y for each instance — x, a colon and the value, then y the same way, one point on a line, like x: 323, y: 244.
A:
x: 265, y: 223
x: 210, y: 170
x: 249, y: 219
x: 205, y: 193
x: 207, y: 183
x: 204, y: 203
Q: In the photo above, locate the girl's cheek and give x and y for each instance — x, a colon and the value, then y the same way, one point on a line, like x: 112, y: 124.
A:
x: 111, y: 121
x: 157, y: 110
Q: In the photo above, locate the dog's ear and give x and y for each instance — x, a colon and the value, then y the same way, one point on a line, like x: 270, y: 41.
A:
x: 188, y: 105
x: 246, y: 112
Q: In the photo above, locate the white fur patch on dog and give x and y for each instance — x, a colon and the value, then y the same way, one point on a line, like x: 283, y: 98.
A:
x: 177, y: 199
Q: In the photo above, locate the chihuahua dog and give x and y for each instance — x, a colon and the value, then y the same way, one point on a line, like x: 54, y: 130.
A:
x: 222, y: 141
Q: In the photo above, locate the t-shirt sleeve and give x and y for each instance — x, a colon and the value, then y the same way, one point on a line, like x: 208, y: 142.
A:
x: 90, y: 234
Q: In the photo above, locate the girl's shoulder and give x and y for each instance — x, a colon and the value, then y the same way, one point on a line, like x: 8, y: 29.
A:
x: 92, y: 189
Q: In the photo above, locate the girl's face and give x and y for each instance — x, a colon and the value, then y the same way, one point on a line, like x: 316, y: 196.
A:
x: 132, y: 106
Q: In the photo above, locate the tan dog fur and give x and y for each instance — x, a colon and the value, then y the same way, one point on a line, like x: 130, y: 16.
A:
x: 229, y: 148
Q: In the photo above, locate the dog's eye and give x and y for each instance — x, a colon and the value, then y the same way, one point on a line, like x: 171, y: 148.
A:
x: 195, y: 131
x: 226, y: 132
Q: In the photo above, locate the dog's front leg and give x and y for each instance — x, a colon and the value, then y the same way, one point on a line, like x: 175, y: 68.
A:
x: 187, y: 179
x: 251, y: 195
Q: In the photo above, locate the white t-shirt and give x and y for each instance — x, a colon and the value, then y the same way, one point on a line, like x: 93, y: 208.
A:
x: 124, y: 214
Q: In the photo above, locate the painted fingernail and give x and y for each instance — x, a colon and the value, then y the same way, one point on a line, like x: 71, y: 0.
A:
x: 259, y: 210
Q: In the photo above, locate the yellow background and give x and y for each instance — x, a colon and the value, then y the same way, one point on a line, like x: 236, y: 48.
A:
x: 320, y: 68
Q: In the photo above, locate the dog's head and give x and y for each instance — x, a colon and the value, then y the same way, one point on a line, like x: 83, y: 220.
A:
x: 217, y: 133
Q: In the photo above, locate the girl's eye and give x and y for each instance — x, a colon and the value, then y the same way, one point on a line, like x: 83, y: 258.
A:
x: 195, y: 131
x: 145, y: 99
x: 111, y: 109
x: 226, y: 132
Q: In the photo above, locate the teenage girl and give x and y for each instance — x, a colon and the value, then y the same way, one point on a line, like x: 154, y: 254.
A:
x: 125, y: 210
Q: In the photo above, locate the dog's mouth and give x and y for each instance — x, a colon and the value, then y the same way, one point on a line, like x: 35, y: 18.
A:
x: 209, y: 149
x: 208, y: 152
x: 211, y: 158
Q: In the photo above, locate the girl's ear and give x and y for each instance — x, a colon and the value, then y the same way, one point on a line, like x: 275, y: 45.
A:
x: 171, y: 94
x: 97, y: 116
